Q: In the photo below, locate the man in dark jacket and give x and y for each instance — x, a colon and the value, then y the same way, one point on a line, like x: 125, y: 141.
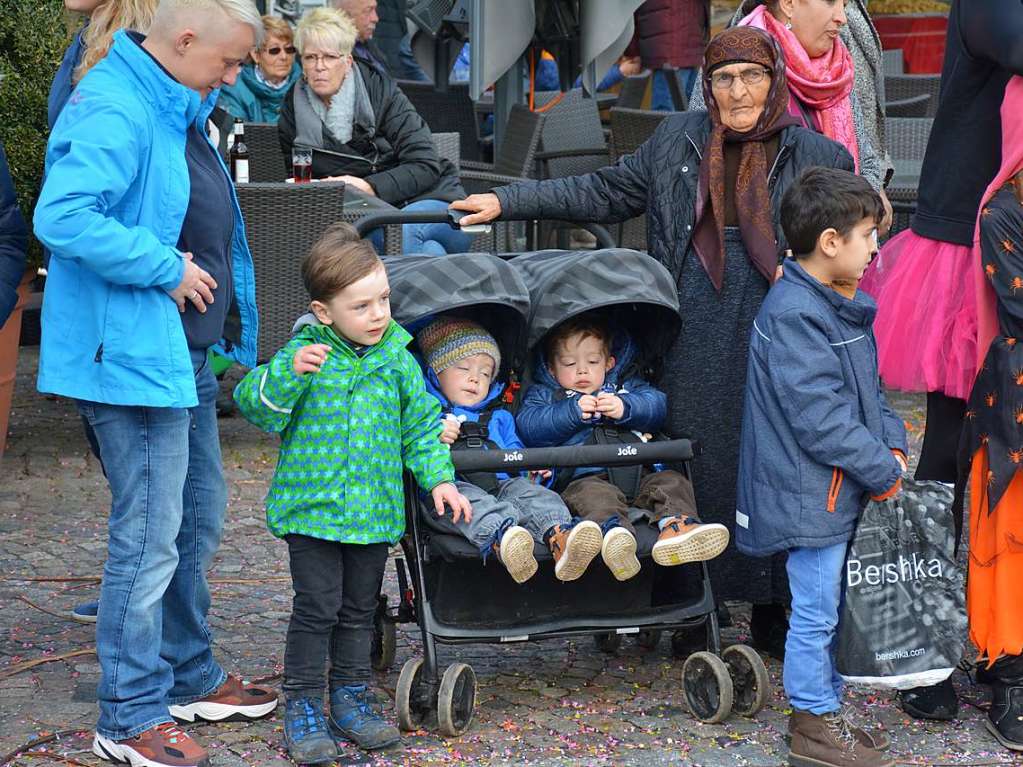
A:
x: 383, y: 37
x: 670, y: 38
x: 13, y: 240
x: 818, y: 436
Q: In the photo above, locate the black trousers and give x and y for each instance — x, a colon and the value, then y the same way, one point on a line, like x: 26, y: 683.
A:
x: 940, y: 451
x: 336, y: 587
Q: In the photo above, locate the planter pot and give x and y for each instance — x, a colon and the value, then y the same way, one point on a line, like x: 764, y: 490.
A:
x: 9, y: 335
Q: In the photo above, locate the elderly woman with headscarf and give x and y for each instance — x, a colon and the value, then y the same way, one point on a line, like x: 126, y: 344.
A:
x: 711, y: 185
x: 833, y: 62
x: 363, y: 130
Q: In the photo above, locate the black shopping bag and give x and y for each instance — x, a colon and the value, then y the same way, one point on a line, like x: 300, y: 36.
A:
x: 903, y: 622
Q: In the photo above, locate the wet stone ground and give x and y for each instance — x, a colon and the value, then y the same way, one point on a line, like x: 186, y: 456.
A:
x: 554, y: 703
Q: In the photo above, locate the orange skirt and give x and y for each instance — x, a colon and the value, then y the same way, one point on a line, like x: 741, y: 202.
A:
x: 994, y: 591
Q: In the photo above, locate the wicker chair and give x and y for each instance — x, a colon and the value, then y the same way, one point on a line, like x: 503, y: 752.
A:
x: 629, y: 129
x: 633, y: 90
x: 892, y: 62
x: 448, y: 112
x: 902, y: 87
x: 907, y: 143
x: 572, y: 141
x: 282, y: 221
x: 915, y: 106
x: 266, y: 162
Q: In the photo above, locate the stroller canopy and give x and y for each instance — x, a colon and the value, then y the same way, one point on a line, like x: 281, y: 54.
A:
x: 638, y: 292
x: 476, y: 285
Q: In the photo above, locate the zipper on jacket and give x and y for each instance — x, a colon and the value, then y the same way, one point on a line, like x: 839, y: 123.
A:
x: 837, y: 475
x: 99, y: 353
x: 771, y: 180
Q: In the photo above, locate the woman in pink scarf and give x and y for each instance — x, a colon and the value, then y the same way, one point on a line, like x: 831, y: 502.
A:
x: 821, y: 75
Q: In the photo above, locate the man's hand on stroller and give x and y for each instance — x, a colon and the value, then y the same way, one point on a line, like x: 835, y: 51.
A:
x: 310, y: 358
x: 447, y: 493
x: 482, y: 208
x: 610, y: 405
x: 452, y: 428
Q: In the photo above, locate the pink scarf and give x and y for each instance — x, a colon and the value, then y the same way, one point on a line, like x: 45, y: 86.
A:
x: 822, y: 84
x: 1012, y: 163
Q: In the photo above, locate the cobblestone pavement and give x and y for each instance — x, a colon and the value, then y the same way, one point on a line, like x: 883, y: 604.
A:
x: 554, y: 703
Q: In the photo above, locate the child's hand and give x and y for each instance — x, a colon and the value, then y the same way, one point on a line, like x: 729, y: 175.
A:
x: 588, y: 406
x: 452, y: 428
x: 610, y: 405
x: 447, y: 493
x: 901, y: 458
x: 310, y: 358
x: 540, y: 475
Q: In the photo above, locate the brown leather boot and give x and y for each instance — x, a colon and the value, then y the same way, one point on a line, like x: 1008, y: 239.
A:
x: 828, y: 741
x: 869, y: 734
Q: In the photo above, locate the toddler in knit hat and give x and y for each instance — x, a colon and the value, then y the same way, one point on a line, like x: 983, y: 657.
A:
x: 510, y: 512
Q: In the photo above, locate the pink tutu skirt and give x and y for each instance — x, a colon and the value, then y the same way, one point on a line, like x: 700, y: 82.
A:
x: 926, y: 325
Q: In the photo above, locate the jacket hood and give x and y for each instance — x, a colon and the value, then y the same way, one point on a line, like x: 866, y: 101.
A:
x: 264, y: 91
x: 393, y: 339
x: 433, y: 386
x: 157, y: 83
x: 623, y: 349
x: 858, y: 311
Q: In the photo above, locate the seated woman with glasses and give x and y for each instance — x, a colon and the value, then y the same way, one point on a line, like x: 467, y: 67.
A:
x: 257, y: 94
x: 362, y: 130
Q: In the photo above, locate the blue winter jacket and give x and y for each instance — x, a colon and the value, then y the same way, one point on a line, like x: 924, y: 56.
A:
x: 549, y: 416
x: 817, y: 432
x: 111, y: 211
x: 501, y: 427
x: 253, y: 100
x: 13, y: 241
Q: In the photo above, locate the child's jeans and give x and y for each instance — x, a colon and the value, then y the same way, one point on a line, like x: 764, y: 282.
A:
x: 533, y: 506
x: 661, y: 494
x: 336, y: 587
x: 815, y: 579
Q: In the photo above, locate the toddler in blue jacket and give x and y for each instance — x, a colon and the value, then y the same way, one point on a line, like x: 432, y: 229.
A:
x: 818, y: 439
x: 582, y: 387
x: 463, y: 362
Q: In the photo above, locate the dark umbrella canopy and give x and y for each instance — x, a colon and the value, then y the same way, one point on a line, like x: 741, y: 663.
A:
x: 635, y: 289
x: 475, y: 285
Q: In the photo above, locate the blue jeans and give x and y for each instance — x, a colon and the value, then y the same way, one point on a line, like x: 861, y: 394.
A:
x: 166, y: 515
x: 428, y: 239
x: 815, y: 578
x: 660, y: 96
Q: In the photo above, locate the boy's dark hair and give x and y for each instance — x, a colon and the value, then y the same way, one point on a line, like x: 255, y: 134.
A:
x: 339, y: 258
x: 586, y: 325
x: 826, y: 198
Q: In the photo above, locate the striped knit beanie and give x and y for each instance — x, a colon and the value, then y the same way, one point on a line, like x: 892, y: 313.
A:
x: 448, y: 340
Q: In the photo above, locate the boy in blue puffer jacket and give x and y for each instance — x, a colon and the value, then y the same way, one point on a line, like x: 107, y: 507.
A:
x: 508, y: 512
x: 582, y: 387
x: 818, y: 438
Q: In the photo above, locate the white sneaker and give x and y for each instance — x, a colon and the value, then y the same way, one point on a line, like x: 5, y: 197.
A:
x: 515, y: 552
x: 619, y: 553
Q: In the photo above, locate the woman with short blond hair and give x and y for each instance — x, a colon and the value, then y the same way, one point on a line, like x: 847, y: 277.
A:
x: 363, y: 130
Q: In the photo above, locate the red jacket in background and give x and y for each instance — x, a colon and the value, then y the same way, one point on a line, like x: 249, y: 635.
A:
x: 671, y: 33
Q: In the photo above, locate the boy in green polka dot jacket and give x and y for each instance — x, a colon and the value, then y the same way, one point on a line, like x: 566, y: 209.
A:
x: 349, y: 402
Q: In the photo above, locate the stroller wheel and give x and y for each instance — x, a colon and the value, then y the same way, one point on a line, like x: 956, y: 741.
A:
x: 408, y: 696
x: 648, y: 639
x: 750, y: 683
x: 456, y: 699
x: 707, y: 687
x: 608, y: 641
x: 385, y: 639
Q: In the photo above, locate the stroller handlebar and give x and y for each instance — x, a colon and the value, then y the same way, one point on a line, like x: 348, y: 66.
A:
x: 630, y: 454
x: 451, y: 217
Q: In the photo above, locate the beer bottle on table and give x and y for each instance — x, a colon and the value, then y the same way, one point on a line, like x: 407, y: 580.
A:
x: 239, y: 154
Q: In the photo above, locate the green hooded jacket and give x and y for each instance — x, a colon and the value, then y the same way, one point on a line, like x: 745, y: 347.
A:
x: 346, y: 434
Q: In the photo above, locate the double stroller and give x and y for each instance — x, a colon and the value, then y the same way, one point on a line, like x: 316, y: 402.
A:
x: 444, y: 585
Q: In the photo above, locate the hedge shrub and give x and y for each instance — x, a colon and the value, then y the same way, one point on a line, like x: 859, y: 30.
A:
x: 33, y: 36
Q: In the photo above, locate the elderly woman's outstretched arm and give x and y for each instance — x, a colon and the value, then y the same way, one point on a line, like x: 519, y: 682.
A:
x: 609, y: 195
